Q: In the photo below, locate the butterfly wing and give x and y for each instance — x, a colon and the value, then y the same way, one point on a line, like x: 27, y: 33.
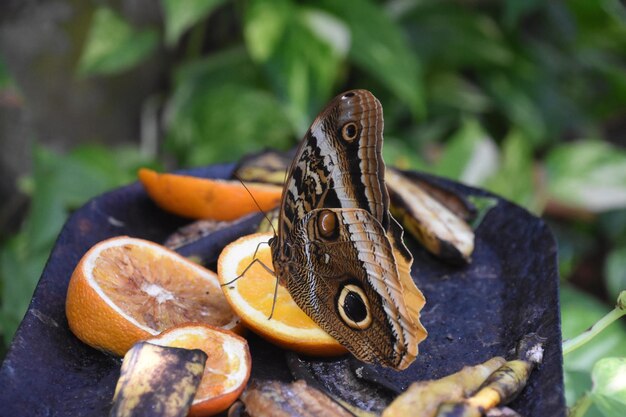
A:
x: 339, y: 165
x: 353, y: 289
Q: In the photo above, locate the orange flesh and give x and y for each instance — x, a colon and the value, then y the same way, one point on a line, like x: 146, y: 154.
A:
x: 156, y: 290
x: 258, y: 291
x: 215, y: 379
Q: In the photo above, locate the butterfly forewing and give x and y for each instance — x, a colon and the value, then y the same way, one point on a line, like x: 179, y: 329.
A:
x: 339, y: 163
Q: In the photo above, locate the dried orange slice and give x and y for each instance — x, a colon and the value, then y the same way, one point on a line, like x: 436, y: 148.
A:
x: 252, y: 295
x: 227, y: 368
x: 125, y: 290
x: 203, y: 198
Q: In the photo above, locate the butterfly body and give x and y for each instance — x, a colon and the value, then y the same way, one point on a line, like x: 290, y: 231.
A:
x: 338, y: 250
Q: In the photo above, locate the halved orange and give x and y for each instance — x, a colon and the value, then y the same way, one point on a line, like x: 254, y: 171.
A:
x: 203, y: 198
x: 125, y: 290
x: 227, y: 368
x: 252, y: 296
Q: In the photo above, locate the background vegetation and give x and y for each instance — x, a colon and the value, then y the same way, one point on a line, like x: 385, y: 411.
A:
x: 525, y: 98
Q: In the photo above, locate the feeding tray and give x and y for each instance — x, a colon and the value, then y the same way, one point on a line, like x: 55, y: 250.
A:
x: 473, y: 312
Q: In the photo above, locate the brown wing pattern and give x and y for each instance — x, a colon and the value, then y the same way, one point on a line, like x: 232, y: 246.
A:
x: 338, y: 250
x: 357, y: 255
x: 332, y: 169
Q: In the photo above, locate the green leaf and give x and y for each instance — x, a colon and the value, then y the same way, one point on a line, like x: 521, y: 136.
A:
x: 113, y: 46
x: 615, y: 270
x: 580, y: 311
x: 181, y: 15
x: 609, y: 386
x: 20, y: 269
x: 514, y: 178
x: 466, y: 37
x: 301, y: 52
x: 400, y: 154
x: 512, y: 95
x: 483, y: 205
x: 220, y: 124
x: 64, y: 182
x: 264, y: 26
x: 227, y: 66
x: 574, y: 243
x: 381, y: 49
x: 450, y: 90
x: 195, y: 120
x: 47, y: 212
x: 612, y: 224
x: 588, y: 174
x: 104, y: 169
x: 470, y: 155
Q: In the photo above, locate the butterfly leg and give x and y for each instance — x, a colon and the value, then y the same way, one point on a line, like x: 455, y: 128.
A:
x: 275, y: 296
x: 257, y: 248
x: 255, y: 260
x: 267, y: 268
x: 269, y: 271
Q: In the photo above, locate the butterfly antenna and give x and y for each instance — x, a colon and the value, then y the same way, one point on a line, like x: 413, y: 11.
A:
x: 257, y: 204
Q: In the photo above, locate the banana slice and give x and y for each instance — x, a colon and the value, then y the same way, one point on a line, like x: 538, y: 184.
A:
x: 157, y: 381
x: 440, y: 230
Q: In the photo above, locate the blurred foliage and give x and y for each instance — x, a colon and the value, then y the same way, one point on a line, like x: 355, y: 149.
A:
x: 114, y: 46
x: 579, y: 312
x: 525, y: 98
x: 58, y: 185
x: 608, y: 393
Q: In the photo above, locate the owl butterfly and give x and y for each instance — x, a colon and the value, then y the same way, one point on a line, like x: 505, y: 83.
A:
x: 338, y: 250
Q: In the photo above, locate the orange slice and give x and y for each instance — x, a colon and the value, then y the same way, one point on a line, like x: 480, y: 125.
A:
x: 202, y: 198
x: 252, y: 295
x: 227, y: 368
x: 125, y: 290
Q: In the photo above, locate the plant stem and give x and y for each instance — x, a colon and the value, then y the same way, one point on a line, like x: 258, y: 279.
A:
x: 580, y: 408
x: 573, y: 344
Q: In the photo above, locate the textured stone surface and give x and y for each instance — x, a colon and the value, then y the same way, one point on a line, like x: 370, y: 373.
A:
x: 472, y: 313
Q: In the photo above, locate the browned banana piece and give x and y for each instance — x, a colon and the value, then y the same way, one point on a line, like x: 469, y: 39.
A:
x: 455, y: 202
x: 270, y: 222
x: 266, y: 166
x: 297, y: 399
x: 195, y: 231
x: 157, y: 381
x: 423, y: 398
x: 503, y: 385
x: 440, y: 230
x: 465, y: 410
x: 502, y: 412
x: 202, y: 241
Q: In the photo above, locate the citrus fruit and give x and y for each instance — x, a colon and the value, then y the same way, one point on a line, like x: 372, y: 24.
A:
x: 227, y: 366
x: 203, y: 198
x: 252, y: 296
x: 125, y: 290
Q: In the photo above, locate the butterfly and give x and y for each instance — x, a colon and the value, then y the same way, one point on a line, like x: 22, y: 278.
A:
x: 338, y: 250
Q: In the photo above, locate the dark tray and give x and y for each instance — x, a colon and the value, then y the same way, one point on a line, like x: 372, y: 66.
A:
x: 472, y: 313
